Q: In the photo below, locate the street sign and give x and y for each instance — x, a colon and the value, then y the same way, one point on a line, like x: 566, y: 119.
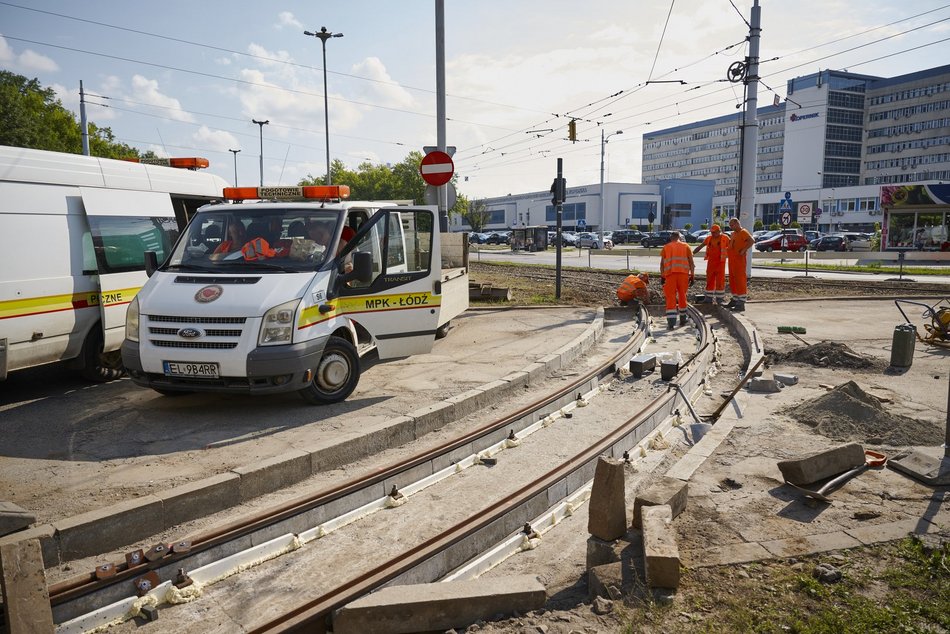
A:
x: 786, y: 205
x: 581, y: 223
x: 818, y: 212
x: 786, y: 218
x: 449, y: 149
x: 432, y: 195
x: 804, y: 210
x: 437, y: 168
x: 788, y: 195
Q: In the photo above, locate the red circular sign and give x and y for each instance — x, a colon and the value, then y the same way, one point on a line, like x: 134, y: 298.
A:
x: 437, y: 168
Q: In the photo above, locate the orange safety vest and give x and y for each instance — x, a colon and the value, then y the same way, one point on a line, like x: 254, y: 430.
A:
x: 675, y: 258
x: 629, y: 287
x: 257, y: 249
x: 740, y: 240
x: 716, y: 245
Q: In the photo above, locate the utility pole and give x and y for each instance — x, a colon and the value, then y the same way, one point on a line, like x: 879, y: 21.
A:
x: 262, y: 124
x: 750, y: 128
x: 440, y: 106
x: 82, y: 120
x: 235, y: 153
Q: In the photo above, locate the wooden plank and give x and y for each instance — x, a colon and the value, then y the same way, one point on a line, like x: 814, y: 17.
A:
x: 25, y: 594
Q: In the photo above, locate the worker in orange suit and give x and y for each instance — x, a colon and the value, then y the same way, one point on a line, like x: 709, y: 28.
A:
x: 677, y: 270
x: 739, y: 246
x: 717, y: 243
x: 634, y: 287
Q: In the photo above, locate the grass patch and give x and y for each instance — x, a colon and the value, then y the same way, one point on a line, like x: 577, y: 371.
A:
x: 873, y: 267
x: 894, y: 587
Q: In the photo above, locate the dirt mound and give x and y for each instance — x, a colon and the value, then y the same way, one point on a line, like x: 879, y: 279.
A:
x: 848, y: 413
x: 827, y: 354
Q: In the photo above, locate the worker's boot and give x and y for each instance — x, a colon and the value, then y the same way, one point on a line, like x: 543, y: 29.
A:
x: 670, y: 323
x: 731, y: 304
x: 708, y: 299
x: 738, y: 308
x: 682, y: 320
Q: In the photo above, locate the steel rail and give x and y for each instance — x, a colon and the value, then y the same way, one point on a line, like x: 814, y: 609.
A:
x: 72, y: 589
x: 314, y: 614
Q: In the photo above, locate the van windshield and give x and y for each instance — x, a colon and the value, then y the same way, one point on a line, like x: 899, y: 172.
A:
x: 255, y: 238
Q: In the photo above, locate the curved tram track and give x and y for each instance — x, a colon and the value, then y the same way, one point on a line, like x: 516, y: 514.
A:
x: 169, y: 569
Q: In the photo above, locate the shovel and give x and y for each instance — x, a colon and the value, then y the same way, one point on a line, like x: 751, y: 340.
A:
x: 871, y: 459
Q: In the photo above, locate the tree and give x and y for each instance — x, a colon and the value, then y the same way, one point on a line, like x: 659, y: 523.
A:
x: 688, y: 226
x: 758, y: 225
x: 476, y: 215
x: 32, y: 117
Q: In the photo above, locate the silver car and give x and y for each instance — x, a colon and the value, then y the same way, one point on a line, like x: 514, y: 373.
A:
x: 593, y: 241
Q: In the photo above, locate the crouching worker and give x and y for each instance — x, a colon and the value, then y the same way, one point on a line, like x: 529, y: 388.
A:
x: 677, y: 269
x: 634, y: 288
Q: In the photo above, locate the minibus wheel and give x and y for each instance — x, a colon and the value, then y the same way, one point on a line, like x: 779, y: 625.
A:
x: 97, y: 365
x: 337, y: 374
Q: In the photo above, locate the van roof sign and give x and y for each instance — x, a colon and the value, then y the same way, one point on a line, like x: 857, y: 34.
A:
x: 191, y: 162
x: 310, y: 192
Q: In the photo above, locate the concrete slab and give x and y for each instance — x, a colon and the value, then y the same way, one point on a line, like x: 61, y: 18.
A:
x: 25, y: 595
x: 822, y: 464
x: 664, y: 490
x: 439, y: 606
x: 14, y: 518
x: 661, y: 559
x: 607, y: 511
x: 810, y: 544
x: 725, y: 554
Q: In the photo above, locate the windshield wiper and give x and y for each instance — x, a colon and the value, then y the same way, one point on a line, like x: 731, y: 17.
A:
x: 189, y: 267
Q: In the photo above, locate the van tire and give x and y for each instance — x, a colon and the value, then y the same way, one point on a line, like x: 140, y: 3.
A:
x: 99, y: 366
x: 336, y: 375
x: 443, y: 331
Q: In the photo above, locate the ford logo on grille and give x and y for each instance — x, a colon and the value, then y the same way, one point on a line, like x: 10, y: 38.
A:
x: 190, y: 333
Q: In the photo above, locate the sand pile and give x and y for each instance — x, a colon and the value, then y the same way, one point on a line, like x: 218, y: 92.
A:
x: 827, y: 354
x: 848, y: 413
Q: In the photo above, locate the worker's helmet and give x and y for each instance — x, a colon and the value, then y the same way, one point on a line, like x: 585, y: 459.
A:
x: 715, y: 229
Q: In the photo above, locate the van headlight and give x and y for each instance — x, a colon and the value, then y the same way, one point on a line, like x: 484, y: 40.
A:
x: 132, y: 320
x: 278, y: 325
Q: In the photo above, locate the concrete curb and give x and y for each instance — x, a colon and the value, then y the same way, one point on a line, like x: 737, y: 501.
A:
x: 129, y: 521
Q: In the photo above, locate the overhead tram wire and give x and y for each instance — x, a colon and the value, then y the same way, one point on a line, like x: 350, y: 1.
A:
x: 263, y: 58
x: 660, y: 43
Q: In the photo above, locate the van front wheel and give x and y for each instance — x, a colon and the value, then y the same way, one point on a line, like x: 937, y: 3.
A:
x: 337, y: 374
x: 97, y: 365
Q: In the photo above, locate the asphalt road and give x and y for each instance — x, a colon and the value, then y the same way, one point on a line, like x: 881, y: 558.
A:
x: 635, y: 259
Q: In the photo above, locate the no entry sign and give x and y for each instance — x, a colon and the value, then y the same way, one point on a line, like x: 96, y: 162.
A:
x: 437, y: 168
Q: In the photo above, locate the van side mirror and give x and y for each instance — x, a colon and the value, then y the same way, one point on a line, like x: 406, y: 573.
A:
x: 362, y: 268
x: 151, y: 263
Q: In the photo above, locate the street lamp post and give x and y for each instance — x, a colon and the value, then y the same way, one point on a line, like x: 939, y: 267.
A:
x: 261, y: 124
x: 815, y: 212
x: 603, y: 210
x: 324, y: 35
x: 235, y: 153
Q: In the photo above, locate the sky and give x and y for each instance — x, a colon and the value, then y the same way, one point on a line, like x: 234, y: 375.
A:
x: 187, y: 78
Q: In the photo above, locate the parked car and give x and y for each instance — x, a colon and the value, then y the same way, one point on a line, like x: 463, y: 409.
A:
x: 627, y: 236
x: 857, y: 241
x: 688, y: 237
x: 784, y: 240
x: 477, y: 238
x: 761, y: 233
x: 813, y: 235
x: 568, y: 239
x: 656, y: 239
x: 829, y: 243
x: 593, y: 241
x: 498, y: 237
x: 701, y: 235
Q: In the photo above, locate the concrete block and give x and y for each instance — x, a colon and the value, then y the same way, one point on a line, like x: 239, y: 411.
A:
x: 663, y: 491
x: 271, y: 475
x: 601, y: 551
x: 433, y: 417
x: 661, y: 559
x: 607, y: 515
x: 109, y: 528
x: 669, y: 370
x: 822, y: 464
x: 46, y: 535
x: 764, y: 386
x: 786, y: 379
x: 25, y: 595
x: 14, y: 518
x: 200, y: 499
x: 605, y: 581
x: 642, y: 363
x: 439, y: 606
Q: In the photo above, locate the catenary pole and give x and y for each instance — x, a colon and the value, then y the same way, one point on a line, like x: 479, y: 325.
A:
x: 750, y: 128
x: 440, y: 105
x: 82, y: 120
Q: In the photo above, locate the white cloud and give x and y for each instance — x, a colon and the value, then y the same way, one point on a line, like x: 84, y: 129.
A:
x: 383, y: 90
x: 28, y: 61
x: 218, y: 140
x: 147, y: 91
x: 94, y: 112
x: 287, y: 19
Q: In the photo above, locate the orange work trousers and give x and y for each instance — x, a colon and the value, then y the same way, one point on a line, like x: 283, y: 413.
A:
x: 674, y: 289
x: 715, y: 280
x: 738, y: 278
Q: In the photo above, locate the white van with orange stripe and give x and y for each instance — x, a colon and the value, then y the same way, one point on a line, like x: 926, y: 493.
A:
x: 73, y: 230
x: 286, y: 288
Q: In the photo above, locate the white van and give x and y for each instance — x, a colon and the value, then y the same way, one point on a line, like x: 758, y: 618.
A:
x: 73, y: 230
x: 287, y: 289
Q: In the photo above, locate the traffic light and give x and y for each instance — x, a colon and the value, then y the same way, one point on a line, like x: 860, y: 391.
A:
x: 572, y: 130
x: 652, y: 216
x: 558, y: 191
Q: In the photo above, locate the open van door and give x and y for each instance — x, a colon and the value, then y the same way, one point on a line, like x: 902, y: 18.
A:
x: 124, y: 225
x: 399, y: 305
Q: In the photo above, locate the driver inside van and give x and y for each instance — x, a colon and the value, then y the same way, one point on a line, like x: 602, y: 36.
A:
x: 237, y: 236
